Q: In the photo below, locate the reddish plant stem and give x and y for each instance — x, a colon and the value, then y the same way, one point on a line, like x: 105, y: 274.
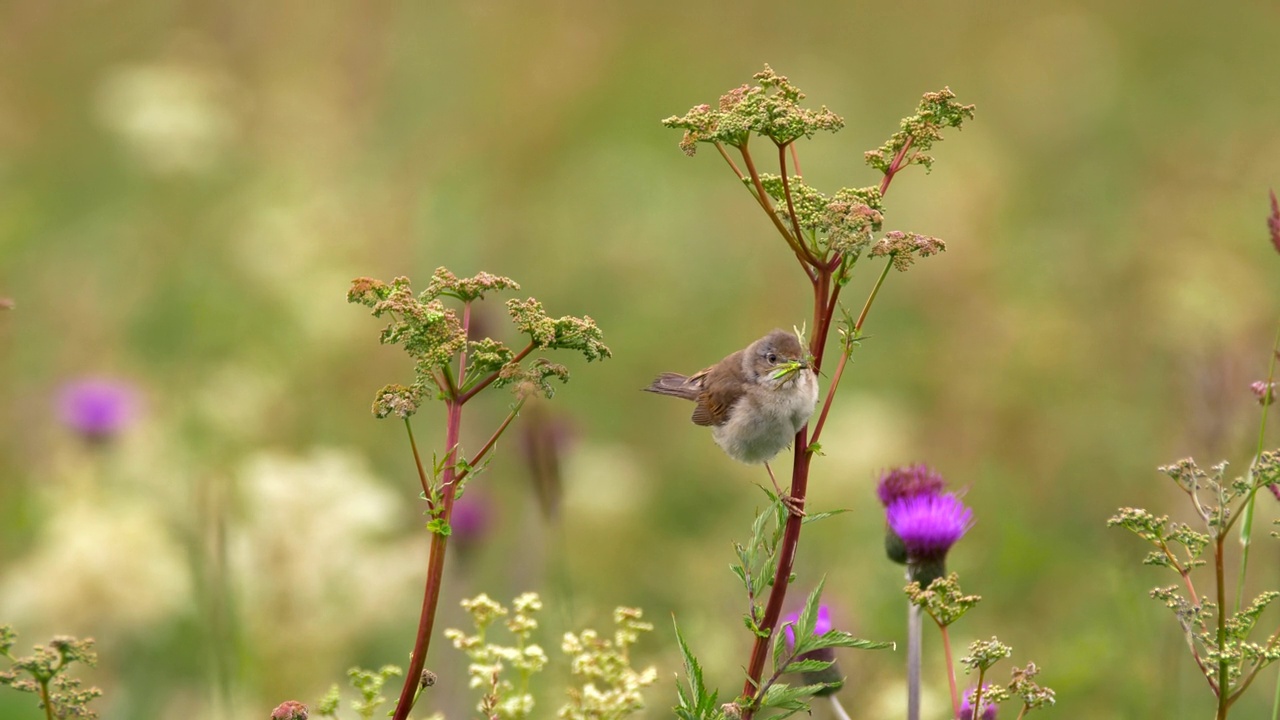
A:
x: 435, y: 567
x: 417, y: 461
x: 786, y: 561
x: 795, y: 157
x: 895, y: 166
x: 824, y: 300
x: 831, y: 396
x: 791, y: 207
x: 951, y: 671
x: 732, y: 165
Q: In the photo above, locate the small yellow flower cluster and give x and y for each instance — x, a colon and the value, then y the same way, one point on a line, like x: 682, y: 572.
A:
x: 502, y: 698
x: 610, y: 687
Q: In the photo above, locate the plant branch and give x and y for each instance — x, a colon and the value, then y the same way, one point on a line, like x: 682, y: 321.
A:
x: 422, y: 473
x: 763, y: 198
x: 488, y: 379
x: 831, y: 395
x: 474, y: 461
x: 435, y: 565
x: 782, y: 578
x: 1218, y: 563
x: 791, y: 208
x: 866, y: 308
x: 914, y: 632
x: 951, y: 670
x: 1254, y: 672
x: 732, y: 165
x: 895, y: 166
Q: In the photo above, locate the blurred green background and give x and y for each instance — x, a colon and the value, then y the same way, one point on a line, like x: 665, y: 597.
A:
x: 187, y: 188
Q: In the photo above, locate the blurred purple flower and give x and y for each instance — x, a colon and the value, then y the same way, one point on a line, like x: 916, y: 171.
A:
x: 1273, y: 222
x: 1275, y: 490
x: 471, y: 517
x: 1265, y: 392
x: 908, y: 481
x: 929, y: 524
x: 97, y: 408
x: 830, y: 676
x: 966, y: 707
x: 821, y: 625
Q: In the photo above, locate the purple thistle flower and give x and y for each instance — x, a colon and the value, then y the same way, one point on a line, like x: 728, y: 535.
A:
x: 97, y: 408
x: 929, y: 524
x: 909, y: 481
x: 966, y: 707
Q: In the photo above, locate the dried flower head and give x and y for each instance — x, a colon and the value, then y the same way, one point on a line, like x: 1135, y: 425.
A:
x: 290, y: 710
x: 97, y: 408
x: 434, y: 336
x: 771, y: 109
x: 1264, y: 391
x: 908, y: 481
x: 903, y: 248
x: 918, y: 133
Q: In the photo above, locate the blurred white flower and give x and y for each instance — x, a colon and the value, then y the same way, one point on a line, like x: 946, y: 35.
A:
x: 175, y: 117
x: 98, y: 565
x: 315, y: 559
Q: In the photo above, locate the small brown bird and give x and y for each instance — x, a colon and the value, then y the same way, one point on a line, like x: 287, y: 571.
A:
x: 754, y: 400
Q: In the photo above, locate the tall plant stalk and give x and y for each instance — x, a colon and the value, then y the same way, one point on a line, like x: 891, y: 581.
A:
x: 454, y: 368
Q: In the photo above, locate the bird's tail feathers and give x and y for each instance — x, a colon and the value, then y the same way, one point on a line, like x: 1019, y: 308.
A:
x: 674, y: 384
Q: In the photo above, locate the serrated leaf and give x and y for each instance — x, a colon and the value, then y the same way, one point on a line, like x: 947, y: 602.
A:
x: 810, y: 665
x: 839, y: 638
x: 815, y: 517
x: 692, y: 670
x: 779, y: 645
x: 786, y: 697
x: 809, y: 616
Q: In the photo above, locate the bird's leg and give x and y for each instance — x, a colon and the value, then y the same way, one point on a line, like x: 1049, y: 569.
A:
x: 794, y: 505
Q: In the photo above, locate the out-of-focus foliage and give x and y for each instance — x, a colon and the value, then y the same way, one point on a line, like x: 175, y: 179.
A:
x: 186, y: 192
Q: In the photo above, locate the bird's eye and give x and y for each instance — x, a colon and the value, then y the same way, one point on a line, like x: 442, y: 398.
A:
x: 772, y: 358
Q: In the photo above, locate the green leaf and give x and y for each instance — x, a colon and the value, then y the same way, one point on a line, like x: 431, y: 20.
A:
x: 810, y: 665
x: 779, y: 645
x: 702, y: 703
x: 440, y: 527
x: 840, y: 638
x: 815, y: 517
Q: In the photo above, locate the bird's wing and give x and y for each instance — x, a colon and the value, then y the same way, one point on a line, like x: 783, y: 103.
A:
x: 721, y: 387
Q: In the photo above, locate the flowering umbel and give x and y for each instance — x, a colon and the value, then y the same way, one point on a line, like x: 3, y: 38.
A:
x: 829, y: 676
x: 904, y: 482
x: 966, y: 707
x: 928, y: 526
